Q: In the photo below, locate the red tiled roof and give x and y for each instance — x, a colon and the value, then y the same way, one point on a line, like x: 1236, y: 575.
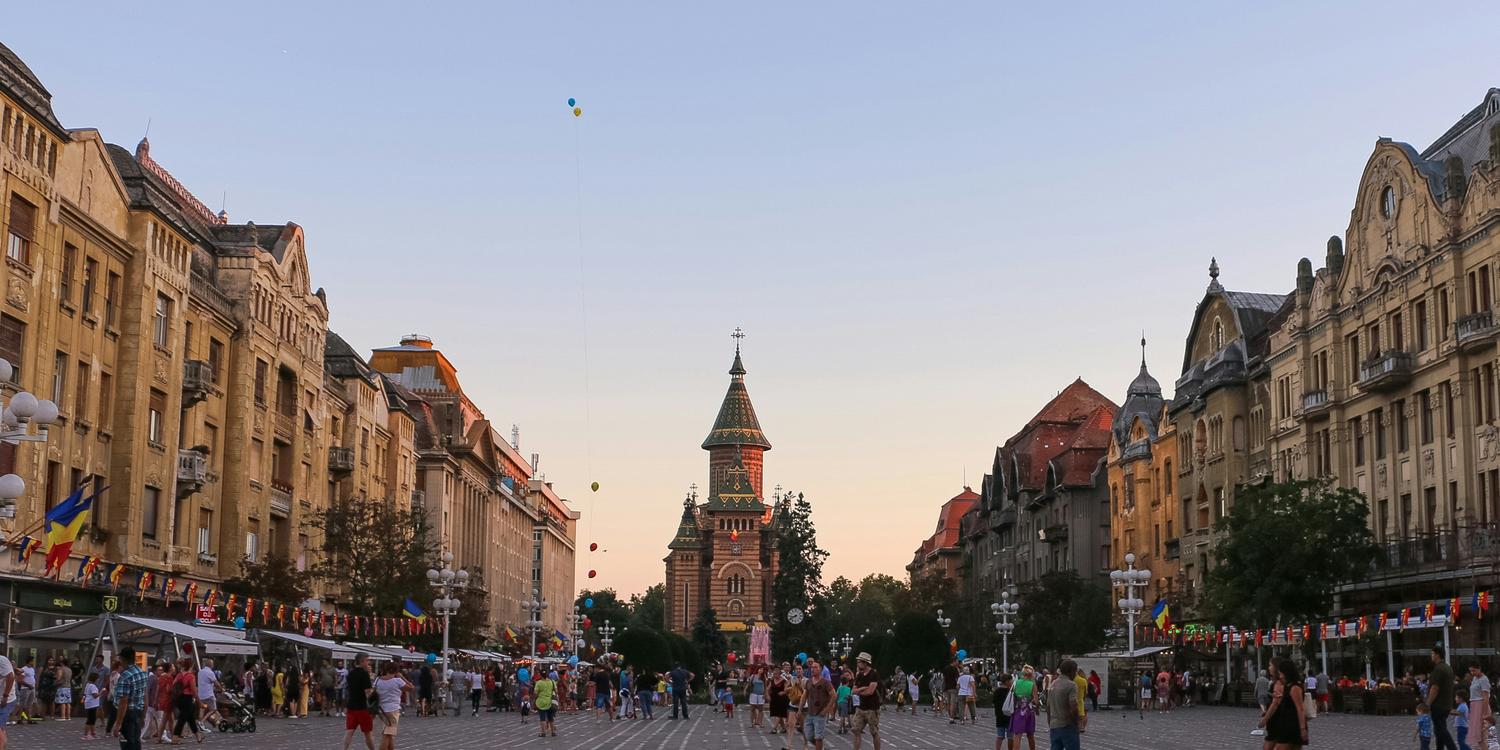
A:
x: 952, y: 512
x: 1071, y: 432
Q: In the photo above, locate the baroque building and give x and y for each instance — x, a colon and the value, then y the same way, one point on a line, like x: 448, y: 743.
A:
x: 1141, y: 468
x: 723, y: 555
x: 1383, y: 366
x: 942, y: 554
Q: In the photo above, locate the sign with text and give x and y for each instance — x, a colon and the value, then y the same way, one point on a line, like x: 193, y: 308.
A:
x: 206, y: 615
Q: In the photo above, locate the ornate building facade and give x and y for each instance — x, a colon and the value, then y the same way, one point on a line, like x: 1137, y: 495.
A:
x: 942, y: 554
x: 1141, y: 466
x: 723, y: 555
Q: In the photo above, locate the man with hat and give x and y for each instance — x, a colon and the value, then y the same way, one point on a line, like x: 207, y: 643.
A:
x: 867, y: 687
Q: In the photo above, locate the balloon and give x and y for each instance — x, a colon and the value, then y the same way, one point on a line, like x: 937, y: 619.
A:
x: 731, y: 657
x: 578, y: 111
x: 239, y: 622
x: 587, y: 623
x: 962, y: 654
x: 572, y: 102
x: 594, y: 486
x: 541, y: 648
x: 307, y: 632
x: 432, y: 658
x: 524, y: 675
x: 593, y: 546
x: 573, y: 661
x: 589, y: 603
x: 802, y: 657
x: 593, y: 573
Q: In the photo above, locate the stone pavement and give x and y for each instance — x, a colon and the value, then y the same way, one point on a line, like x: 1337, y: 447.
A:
x: 1184, y: 729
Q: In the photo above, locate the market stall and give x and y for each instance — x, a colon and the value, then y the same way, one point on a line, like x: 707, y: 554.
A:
x: 150, y: 636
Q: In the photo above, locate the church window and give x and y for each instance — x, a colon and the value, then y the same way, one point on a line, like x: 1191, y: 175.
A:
x: 1218, y: 338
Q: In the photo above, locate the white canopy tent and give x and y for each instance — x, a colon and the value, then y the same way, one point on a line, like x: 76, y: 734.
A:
x: 144, y: 632
x: 300, y: 641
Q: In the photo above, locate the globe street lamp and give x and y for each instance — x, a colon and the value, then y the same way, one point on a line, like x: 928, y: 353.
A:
x: 448, y: 583
x: 848, y: 644
x: 1127, y: 581
x: 576, y: 621
x: 833, y: 648
x: 607, y: 635
x: 1005, y: 609
x: 944, y: 622
x: 16, y: 419
x: 534, y: 609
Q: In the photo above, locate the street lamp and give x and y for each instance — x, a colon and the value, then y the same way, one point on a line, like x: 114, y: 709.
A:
x: 534, y: 609
x: 448, y: 583
x: 607, y: 635
x: 1005, y: 609
x: 848, y: 644
x: 1127, y: 581
x: 576, y: 621
x: 16, y: 419
x: 944, y: 622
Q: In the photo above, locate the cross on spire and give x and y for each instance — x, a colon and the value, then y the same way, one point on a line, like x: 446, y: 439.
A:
x: 1143, y: 348
x: 738, y: 334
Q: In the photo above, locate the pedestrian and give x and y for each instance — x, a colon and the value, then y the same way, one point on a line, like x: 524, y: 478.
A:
x: 1004, y: 706
x: 327, y: 681
x: 130, y: 697
x: 820, y: 706
x: 341, y: 689
x: 164, y: 703
x: 1322, y: 688
x: 1310, y: 695
x: 1285, y: 722
x: 1163, y: 691
x: 357, y: 686
x: 1064, y: 723
x: 867, y: 693
x: 390, y: 690
x: 1095, y: 686
x: 726, y: 699
x: 1439, y: 697
x: 185, y: 701
x: 1478, y: 707
x: 476, y: 690
x: 546, y: 696
x: 425, y: 695
x: 265, y: 694
x: 1023, y: 709
x: 967, y: 696
x: 679, y: 679
x: 278, y: 691
x: 305, y: 683
x: 601, y: 692
x: 755, y: 695
x: 845, y: 699
x: 91, y: 707
x: 951, y: 703
x: 208, y: 695
x: 645, y: 687
x: 1262, y: 699
x: 777, y: 700
x: 26, y: 695
x: 795, y: 693
x: 1424, y: 727
x: 63, y: 697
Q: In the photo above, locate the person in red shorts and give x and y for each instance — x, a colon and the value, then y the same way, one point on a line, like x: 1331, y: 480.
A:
x: 357, y: 709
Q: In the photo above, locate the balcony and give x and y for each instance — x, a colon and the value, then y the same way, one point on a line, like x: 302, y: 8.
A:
x: 418, y: 498
x: 1138, y: 449
x: 197, y: 381
x: 284, y: 424
x: 1055, y: 534
x: 1475, y: 331
x: 1386, y: 371
x: 340, y: 461
x: 1315, y: 405
x: 192, y: 472
x: 180, y: 559
x: 1172, y: 549
x: 281, y: 498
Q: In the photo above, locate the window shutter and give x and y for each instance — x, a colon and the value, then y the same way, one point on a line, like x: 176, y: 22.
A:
x: 12, y: 341
x: 22, y: 217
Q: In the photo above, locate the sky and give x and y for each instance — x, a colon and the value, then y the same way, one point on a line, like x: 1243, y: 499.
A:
x: 928, y: 218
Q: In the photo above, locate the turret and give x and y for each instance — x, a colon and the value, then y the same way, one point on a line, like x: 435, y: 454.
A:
x: 1335, y: 260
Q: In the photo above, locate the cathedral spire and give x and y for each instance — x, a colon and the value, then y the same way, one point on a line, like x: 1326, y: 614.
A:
x: 736, y: 424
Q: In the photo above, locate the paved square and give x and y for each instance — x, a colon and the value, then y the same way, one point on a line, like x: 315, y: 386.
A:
x: 1185, y: 729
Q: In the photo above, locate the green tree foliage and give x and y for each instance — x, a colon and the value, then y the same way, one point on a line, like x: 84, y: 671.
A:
x: 1283, y: 548
x: 607, y: 608
x: 918, y: 645
x: 374, y: 555
x: 685, y: 652
x: 798, y: 584
x: 274, y: 577
x: 1061, y: 613
x: 644, y: 648
x: 707, y: 637
x: 649, y: 610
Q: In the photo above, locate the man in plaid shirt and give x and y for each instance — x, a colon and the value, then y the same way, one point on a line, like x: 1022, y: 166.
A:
x: 130, y: 697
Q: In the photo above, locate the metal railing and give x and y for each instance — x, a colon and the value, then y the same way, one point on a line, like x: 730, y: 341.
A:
x: 1474, y: 325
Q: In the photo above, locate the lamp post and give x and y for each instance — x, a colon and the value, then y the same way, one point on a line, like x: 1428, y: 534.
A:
x: 607, y: 635
x: 448, y: 583
x: 16, y: 419
x: 576, y: 621
x: 1005, y: 609
x: 848, y: 644
x: 944, y: 622
x: 1127, y: 581
x: 833, y: 648
x: 534, y: 610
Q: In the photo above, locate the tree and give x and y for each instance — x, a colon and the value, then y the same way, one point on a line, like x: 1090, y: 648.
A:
x: 1282, y: 550
x: 685, y: 652
x: 1061, y: 613
x: 649, y: 610
x: 375, y: 556
x: 707, y: 636
x: 644, y: 648
x: 275, y: 577
x: 918, y: 645
x: 799, y: 579
x: 607, y: 608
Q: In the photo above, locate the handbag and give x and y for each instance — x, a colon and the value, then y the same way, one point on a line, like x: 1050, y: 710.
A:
x: 1009, y: 706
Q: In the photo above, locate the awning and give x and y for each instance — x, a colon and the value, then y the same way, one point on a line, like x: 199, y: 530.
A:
x: 133, y: 630
x: 336, y: 650
x: 388, y: 653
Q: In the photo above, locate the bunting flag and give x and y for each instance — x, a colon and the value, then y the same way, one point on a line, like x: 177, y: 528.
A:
x: 265, y: 612
x: 115, y: 574
x: 1306, y: 633
x: 144, y: 584
x: 1481, y: 603
x: 1429, y: 612
x: 1289, y: 634
x: 26, y: 549
x: 1323, y: 631
x: 189, y: 593
x: 168, y: 588
x: 1383, y: 619
x: 1405, y: 617
x: 228, y: 606
x: 510, y: 635
x: 280, y: 615
x: 212, y: 599
x: 86, y: 567
x: 249, y: 608
x: 1453, y: 610
x: 1364, y: 623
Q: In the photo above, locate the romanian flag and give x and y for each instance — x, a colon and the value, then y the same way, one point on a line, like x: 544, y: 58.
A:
x: 510, y: 635
x: 115, y: 574
x: 26, y: 549
x: 62, y: 525
x: 558, y: 639
x: 411, y: 610
x: 145, y: 583
x: 1161, y: 614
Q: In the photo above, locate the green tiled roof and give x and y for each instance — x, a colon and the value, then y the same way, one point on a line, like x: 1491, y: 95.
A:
x: 736, y: 424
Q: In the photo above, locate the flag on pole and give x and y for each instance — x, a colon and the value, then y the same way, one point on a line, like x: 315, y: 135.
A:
x: 1161, y: 614
x: 62, y: 524
x: 412, y: 611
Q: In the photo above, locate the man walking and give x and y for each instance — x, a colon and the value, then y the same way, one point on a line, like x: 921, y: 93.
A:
x: 8, y: 693
x: 1262, y: 698
x: 357, y: 703
x: 950, y: 692
x: 680, y: 678
x: 867, y: 693
x: 1063, y: 721
x: 820, y: 707
x: 1440, y: 699
x: 208, y: 697
x: 130, y: 702
x: 28, y: 691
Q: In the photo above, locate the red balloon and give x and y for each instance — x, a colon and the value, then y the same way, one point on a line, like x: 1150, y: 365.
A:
x: 593, y: 546
x: 587, y: 623
x: 593, y: 573
x: 731, y: 657
x: 541, y: 648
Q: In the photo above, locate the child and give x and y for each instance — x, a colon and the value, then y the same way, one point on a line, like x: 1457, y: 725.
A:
x: 91, y: 706
x: 844, y: 694
x: 1461, y: 724
x: 727, y: 699
x: 1424, y: 726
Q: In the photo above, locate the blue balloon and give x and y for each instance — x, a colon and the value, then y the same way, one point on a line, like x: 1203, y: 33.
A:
x: 801, y: 657
x: 572, y: 661
x: 432, y: 658
x: 589, y: 602
x: 572, y: 102
x: 239, y: 622
x: 962, y: 654
x: 524, y: 675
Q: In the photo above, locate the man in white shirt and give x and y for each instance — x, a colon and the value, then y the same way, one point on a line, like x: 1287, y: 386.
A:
x: 208, y: 701
x: 966, y: 695
x: 27, y: 692
x: 7, y: 696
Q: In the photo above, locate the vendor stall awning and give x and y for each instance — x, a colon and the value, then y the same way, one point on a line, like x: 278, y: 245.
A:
x: 336, y: 650
x: 144, y: 631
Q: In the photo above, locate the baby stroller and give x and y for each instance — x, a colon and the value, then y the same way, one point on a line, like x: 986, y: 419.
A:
x: 236, y: 715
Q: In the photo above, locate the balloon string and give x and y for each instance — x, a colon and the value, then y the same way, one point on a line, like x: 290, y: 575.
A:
x: 583, y: 306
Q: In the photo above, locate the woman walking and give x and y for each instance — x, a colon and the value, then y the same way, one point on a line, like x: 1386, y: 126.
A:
x: 185, y: 701
x: 776, y: 700
x: 278, y: 691
x: 1284, y: 722
x: 1023, y: 712
x: 1479, y: 705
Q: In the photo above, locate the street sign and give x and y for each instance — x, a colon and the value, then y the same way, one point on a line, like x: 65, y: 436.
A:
x: 206, y: 615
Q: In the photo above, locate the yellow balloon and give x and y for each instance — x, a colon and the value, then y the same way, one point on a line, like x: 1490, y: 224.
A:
x: 577, y: 111
x: 594, y: 486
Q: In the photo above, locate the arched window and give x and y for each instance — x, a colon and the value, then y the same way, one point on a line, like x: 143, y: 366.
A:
x: 1218, y: 338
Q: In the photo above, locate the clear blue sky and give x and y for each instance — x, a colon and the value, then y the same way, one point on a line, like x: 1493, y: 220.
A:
x: 928, y: 217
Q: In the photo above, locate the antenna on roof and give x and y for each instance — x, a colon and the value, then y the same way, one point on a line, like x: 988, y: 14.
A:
x: 515, y: 436
x: 148, y: 129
